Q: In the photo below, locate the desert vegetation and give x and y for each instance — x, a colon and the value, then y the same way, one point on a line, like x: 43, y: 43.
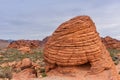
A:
x: 12, y: 56
x: 115, y: 54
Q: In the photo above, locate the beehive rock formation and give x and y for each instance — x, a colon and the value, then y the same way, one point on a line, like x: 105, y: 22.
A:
x: 76, y: 42
x: 111, y: 43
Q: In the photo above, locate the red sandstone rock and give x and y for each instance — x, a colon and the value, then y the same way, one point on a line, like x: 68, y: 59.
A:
x: 26, y: 63
x: 25, y: 50
x: 45, y: 40
x: 25, y: 43
x: 28, y: 70
x: 111, y: 43
x: 76, y: 42
x: 18, y: 64
x: 25, y: 46
x: 12, y: 64
x: 26, y: 74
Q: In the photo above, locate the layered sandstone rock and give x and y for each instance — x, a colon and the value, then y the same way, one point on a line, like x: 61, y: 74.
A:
x: 76, y: 42
x: 111, y: 43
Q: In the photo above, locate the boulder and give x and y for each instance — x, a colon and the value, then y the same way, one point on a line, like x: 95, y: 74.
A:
x: 26, y: 74
x: 26, y: 63
x: 76, y: 42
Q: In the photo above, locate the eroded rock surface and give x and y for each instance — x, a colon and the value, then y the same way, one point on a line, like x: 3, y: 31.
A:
x: 25, y: 46
x: 26, y: 74
x: 26, y: 68
x: 25, y: 43
x: 111, y: 43
x: 76, y: 42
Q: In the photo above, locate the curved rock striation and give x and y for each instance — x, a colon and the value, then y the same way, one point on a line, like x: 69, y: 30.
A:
x: 76, y: 42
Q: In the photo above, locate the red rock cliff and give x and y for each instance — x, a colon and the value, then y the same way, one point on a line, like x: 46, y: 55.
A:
x: 111, y: 43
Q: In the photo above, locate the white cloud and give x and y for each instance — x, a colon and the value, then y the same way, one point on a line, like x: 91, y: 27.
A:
x: 37, y: 19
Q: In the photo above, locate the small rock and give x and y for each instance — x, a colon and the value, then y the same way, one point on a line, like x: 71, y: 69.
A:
x: 18, y: 64
x: 25, y: 74
x: 26, y: 63
x: 4, y: 65
x: 12, y: 64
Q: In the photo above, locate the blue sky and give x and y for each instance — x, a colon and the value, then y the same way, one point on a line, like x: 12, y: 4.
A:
x: 36, y: 19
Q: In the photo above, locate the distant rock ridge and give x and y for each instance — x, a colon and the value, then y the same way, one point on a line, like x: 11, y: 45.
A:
x: 28, y: 43
x: 111, y: 43
x: 25, y: 43
x: 3, y: 43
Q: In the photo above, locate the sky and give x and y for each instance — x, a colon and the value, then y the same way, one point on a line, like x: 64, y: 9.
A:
x: 36, y: 19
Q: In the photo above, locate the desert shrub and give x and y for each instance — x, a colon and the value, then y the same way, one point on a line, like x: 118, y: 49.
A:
x: 116, y: 62
x: 42, y: 70
x: 11, y: 55
x: 113, y: 54
x: 44, y: 74
x: 15, y: 55
x: 6, y: 72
